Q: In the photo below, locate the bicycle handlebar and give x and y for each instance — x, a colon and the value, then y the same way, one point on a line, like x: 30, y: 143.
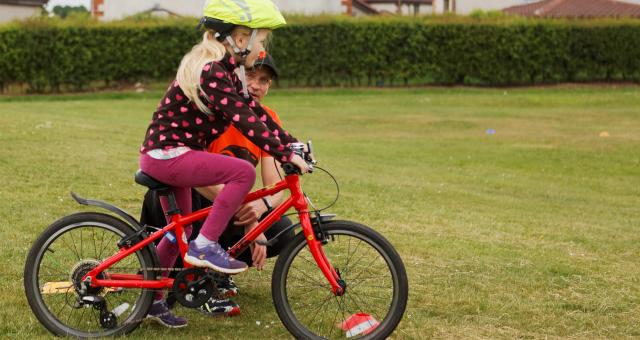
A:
x: 307, y: 155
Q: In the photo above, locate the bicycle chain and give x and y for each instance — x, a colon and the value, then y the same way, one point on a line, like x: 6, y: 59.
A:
x: 175, y: 269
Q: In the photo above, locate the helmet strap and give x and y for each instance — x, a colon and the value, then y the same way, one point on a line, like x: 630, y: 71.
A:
x: 243, y: 54
x: 247, y: 50
x: 233, y: 45
x: 243, y: 80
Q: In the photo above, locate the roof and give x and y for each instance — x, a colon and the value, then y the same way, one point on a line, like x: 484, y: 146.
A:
x: 24, y: 2
x: 576, y: 9
x: 363, y: 6
x: 157, y: 8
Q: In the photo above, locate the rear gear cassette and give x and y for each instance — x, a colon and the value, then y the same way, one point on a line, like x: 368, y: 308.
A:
x: 79, y: 271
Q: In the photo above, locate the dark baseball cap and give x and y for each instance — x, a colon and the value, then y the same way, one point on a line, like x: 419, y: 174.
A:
x: 268, y: 62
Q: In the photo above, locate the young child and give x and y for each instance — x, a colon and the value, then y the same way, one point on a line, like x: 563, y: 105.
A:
x: 205, y: 99
x: 233, y: 144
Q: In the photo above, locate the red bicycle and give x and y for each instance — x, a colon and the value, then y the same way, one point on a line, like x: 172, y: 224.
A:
x: 92, y: 274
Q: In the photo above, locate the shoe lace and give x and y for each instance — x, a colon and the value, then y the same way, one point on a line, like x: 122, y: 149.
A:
x: 219, y: 251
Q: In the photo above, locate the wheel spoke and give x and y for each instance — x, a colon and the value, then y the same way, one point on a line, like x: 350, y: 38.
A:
x: 81, y: 247
x: 68, y: 247
x: 93, y: 237
x: 350, y: 255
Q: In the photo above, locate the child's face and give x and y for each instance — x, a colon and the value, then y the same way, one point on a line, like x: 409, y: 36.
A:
x: 258, y: 46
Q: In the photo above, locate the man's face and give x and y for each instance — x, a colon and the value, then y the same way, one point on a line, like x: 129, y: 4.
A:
x: 258, y: 82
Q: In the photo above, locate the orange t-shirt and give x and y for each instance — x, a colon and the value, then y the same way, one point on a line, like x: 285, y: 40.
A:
x: 234, y: 143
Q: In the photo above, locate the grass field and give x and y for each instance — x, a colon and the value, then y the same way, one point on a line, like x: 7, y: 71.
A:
x: 516, y: 211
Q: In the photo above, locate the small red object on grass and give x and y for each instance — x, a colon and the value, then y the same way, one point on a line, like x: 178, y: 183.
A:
x: 359, y: 324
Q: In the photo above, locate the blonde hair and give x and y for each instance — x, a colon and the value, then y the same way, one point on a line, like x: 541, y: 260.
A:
x: 190, y: 69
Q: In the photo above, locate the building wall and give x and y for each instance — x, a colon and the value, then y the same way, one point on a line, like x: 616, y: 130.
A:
x: 405, y: 9
x: 464, y: 7
x: 311, y: 7
x: 467, y: 6
x: 118, y: 9
x: 12, y: 12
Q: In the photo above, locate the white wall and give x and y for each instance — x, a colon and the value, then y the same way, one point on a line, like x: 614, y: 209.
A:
x: 405, y: 9
x: 118, y: 9
x: 310, y: 6
x: 464, y: 7
x: 468, y: 6
x: 10, y: 12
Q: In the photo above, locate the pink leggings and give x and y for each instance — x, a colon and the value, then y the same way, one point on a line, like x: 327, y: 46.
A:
x: 199, y: 169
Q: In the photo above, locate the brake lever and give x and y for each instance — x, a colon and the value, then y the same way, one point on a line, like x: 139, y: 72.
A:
x: 309, y: 155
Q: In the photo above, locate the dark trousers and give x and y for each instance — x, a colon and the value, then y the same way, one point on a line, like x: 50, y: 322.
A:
x: 153, y: 215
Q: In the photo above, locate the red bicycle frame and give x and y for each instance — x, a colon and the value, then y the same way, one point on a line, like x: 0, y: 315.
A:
x: 178, y: 222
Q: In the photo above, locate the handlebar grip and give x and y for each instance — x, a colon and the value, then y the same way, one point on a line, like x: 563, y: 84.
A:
x: 290, y: 169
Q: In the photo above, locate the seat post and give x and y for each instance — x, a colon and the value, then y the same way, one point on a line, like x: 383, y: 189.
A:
x: 173, y: 206
x: 161, y: 188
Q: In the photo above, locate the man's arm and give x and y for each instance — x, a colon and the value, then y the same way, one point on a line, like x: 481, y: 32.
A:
x: 270, y: 176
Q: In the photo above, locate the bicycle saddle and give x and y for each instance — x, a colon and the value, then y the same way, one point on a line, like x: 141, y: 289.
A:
x: 150, y: 182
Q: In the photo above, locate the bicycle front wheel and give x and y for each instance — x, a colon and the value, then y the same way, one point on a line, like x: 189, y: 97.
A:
x: 376, y: 286
x: 62, y: 255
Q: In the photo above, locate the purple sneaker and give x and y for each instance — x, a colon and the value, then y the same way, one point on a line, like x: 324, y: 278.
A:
x: 160, y: 313
x: 214, y: 257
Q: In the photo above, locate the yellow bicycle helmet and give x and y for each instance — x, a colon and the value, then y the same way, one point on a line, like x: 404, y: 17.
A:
x: 250, y: 13
x: 223, y: 15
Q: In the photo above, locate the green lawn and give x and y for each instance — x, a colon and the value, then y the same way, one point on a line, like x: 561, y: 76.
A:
x: 528, y: 232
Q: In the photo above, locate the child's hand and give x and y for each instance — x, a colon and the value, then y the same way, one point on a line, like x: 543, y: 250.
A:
x: 300, y: 163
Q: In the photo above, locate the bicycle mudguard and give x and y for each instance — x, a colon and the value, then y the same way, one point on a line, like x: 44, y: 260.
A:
x: 314, y: 222
x: 130, y: 220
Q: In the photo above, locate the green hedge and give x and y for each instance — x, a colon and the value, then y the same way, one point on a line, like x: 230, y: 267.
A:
x: 48, y: 57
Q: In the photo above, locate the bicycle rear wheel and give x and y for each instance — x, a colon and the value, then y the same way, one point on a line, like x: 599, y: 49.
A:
x: 66, y: 251
x: 376, y: 293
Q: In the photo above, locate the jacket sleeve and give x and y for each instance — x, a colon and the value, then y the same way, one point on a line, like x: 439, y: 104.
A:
x: 284, y: 136
x: 221, y: 93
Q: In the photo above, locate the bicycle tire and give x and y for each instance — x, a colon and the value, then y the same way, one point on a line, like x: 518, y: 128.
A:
x: 284, y: 282
x: 57, y: 231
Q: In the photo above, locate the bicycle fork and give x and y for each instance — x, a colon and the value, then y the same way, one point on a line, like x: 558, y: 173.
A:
x: 338, y: 285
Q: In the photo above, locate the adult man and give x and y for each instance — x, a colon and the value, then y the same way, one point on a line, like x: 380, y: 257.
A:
x: 234, y: 144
